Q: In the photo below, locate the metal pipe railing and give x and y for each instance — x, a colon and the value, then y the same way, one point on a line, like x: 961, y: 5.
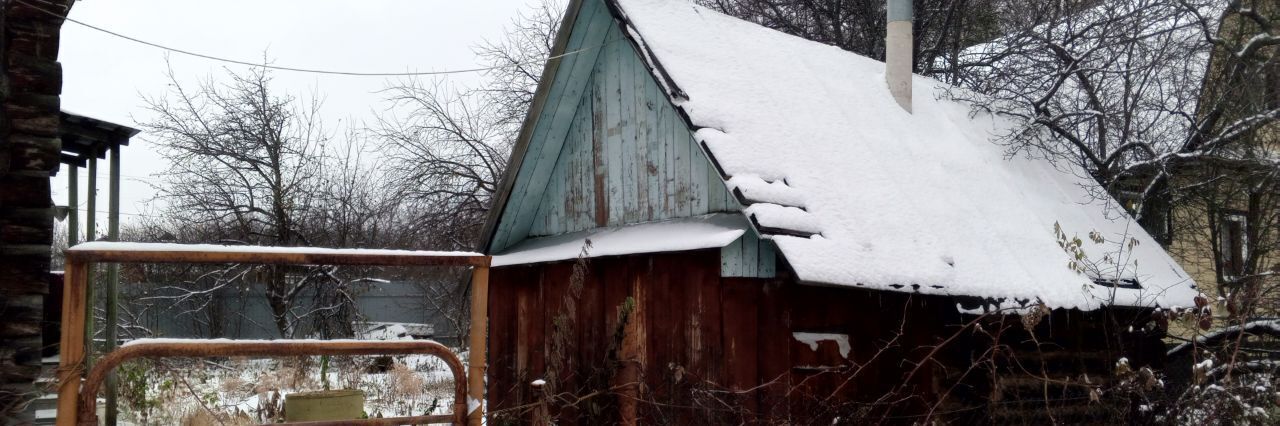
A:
x: 229, y: 348
x: 76, y: 328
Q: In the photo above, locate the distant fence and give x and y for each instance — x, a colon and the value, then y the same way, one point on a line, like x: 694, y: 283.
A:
x: 243, y: 313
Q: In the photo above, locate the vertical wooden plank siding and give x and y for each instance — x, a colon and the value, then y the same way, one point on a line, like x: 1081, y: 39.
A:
x: 773, y: 353
x: 693, y: 334
x: 600, y: 176
x: 632, y: 351
x: 731, y: 258
x: 671, y: 182
x: 681, y: 166
x: 503, y: 327
x: 740, y: 299
x: 607, y: 75
x: 749, y: 256
x: 654, y: 101
x: 564, y: 199
x: 626, y: 123
x: 570, y: 82
x: 584, y: 211
x: 627, y: 157
x: 699, y: 192
x: 639, y: 117
x: 768, y: 267
x: 717, y: 192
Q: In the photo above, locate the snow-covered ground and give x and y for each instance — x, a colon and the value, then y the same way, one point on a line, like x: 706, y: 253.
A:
x: 252, y: 391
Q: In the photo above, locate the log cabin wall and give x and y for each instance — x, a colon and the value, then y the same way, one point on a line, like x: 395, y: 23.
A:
x: 30, y: 83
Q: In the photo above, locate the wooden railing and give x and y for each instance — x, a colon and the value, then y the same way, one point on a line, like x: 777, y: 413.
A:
x: 76, y: 396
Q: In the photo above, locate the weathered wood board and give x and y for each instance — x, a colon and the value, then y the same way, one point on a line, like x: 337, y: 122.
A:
x: 701, y: 335
x: 627, y: 153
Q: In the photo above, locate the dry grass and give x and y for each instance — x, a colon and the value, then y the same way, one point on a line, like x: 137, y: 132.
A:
x: 405, y: 383
x: 201, y: 417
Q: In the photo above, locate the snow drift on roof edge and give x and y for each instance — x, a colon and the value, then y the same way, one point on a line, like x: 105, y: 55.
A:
x: 914, y: 202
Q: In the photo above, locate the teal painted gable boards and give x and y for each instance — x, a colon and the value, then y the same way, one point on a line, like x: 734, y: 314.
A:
x: 627, y: 144
x: 604, y: 147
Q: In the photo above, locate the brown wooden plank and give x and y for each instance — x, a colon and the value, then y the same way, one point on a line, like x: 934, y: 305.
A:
x: 740, y: 298
x: 528, y: 317
x: 502, y: 333
x: 500, y: 316
x: 630, y: 351
x: 704, y: 353
x: 774, y: 357
x: 589, y: 330
x: 665, y: 331
x: 554, y: 279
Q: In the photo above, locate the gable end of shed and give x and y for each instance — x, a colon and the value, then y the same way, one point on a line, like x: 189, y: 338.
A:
x: 608, y: 149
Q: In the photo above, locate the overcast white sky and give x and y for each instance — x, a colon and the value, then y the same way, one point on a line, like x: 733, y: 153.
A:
x: 105, y: 77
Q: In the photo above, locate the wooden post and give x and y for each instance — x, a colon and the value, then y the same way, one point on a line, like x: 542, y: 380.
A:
x: 113, y: 279
x: 73, y: 205
x: 479, y: 329
x: 90, y: 234
x: 541, y: 415
x: 71, y: 352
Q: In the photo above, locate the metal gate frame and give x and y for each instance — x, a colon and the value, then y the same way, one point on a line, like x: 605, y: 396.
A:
x: 77, y: 397
x: 196, y: 348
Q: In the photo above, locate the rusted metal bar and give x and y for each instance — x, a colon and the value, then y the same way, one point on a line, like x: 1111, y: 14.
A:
x: 178, y: 253
x: 385, y: 421
x: 211, y: 348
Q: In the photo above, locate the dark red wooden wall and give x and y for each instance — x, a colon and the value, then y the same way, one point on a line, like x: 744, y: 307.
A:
x: 714, y: 349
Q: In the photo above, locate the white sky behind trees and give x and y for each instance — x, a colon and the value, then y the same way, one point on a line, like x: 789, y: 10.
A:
x: 106, y: 77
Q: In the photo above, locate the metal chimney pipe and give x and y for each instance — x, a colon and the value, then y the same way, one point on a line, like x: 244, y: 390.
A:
x: 898, y: 51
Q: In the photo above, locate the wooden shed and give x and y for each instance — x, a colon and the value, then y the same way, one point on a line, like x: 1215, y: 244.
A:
x: 707, y: 221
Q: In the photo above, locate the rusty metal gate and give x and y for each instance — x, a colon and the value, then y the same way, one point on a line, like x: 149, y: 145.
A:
x: 77, y: 394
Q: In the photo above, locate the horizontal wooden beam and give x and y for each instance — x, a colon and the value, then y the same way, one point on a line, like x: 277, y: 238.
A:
x: 207, y: 253
x: 73, y: 160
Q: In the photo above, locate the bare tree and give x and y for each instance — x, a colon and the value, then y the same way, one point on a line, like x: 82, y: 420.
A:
x: 942, y: 28
x: 1166, y: 104
x: 447, y: 156
x: 449, y: 145
x: 247, y: 167
x: 446, y: 147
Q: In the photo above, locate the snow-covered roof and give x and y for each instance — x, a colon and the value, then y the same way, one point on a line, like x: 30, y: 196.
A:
x: 693, y: 233
x: 857, y: 192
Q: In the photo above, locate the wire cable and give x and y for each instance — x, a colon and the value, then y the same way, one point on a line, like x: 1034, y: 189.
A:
x: 295, y: 69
